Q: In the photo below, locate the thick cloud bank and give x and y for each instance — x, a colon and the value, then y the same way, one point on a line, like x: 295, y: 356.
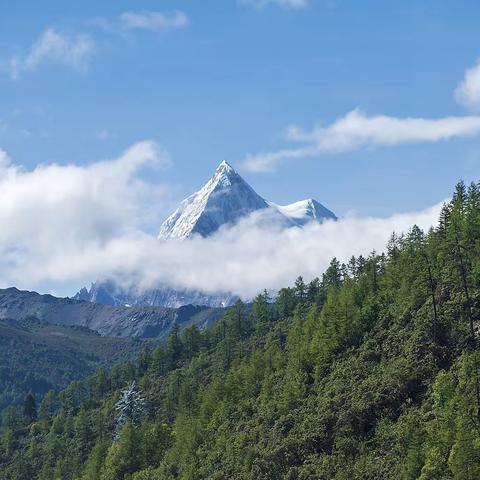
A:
x: 64, y: 226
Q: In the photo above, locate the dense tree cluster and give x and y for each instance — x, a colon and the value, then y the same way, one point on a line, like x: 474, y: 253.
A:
x: 371, y: 372
x: 36, y: 357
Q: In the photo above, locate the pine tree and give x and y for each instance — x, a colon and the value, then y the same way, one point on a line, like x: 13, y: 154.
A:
x: 130, y: 408
x: 47, y: 406
x: 261, y: 312
x: 8, y: 441
x: 124, y: 456
x: 29, y: 409
x: 300, y: 290
x: 95, y: 461
x: 144, y: 359
x: 159, y: 361
x: 174, y: 348
x: 83, y: 432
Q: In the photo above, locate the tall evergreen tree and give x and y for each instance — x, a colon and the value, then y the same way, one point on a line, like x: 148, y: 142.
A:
x: 130, y: 408
x: 29, y: 409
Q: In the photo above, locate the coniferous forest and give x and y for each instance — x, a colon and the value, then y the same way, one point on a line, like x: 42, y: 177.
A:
x: 370, y: 372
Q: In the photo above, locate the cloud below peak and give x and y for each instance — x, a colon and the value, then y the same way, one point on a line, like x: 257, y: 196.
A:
x: 65, y: 206
x: 67, y: 225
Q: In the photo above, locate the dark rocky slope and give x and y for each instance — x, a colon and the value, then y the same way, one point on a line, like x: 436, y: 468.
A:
x: 144, y: 322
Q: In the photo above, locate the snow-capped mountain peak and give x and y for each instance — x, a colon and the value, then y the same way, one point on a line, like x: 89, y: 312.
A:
x: 224, y: 199
x: 224, y: 167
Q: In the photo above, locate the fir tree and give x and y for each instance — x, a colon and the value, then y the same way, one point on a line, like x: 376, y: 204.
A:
x: 29, y: 409
x: 130, y: 408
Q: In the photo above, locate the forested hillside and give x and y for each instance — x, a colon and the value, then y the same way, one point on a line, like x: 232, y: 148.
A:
x: 36, y: 356
x: 371, y: 372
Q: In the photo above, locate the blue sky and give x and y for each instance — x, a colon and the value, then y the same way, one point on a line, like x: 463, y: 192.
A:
x: 229, y: 81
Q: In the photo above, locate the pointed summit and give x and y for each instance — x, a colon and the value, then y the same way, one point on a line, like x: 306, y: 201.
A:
x: 224, y: 166
x: 224, y: 173
x: 224, y: 199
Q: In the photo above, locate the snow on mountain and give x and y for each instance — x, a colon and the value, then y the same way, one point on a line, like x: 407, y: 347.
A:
x: 224, y: 199
x: 109, y: 293
x: 305, y: 211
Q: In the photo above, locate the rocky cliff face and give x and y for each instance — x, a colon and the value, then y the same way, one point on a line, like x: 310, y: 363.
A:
x: 110, y: 293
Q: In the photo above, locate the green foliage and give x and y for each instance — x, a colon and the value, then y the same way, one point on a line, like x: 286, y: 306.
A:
x: 36, y: 357
x: 371, y: 372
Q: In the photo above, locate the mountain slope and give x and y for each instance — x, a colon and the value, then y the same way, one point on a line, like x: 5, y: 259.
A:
x: 109, y: 293
x: 37, y: 356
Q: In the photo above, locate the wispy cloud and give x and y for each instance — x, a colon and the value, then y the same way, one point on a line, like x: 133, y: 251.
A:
x: 105, y: 135
x: 467, y: 92
x: 155, y: 21
x: 292, y: 4
x: 357, y: 130
x: 56, y: 47
x: 74, y: 51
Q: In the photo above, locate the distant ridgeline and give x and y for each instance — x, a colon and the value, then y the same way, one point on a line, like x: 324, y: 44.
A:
x: 371, y: 372
x: 224, y: 200
x: 142, y: 322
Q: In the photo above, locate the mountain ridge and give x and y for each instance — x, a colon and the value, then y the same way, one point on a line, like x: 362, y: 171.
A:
x: 108, y: 320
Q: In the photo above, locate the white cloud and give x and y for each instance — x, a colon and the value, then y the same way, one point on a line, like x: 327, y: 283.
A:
x: 53, y: 46
x: 158, y: 21
x: 467, y: 92
x: 74, y: 51
x: 252, y: 256
x: 293, y: 4
x: 356, y: 130
x: 64, y: 226
x: 4, y: 160
x: 61, y: 211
